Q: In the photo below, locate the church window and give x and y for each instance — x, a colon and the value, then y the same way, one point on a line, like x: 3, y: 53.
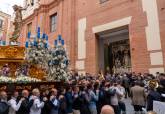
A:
x: 29, y: 27
x: 53, y: 22
x: 1, y: 23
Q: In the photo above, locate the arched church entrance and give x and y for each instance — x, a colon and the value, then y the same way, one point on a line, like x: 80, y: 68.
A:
x: 114, y: 50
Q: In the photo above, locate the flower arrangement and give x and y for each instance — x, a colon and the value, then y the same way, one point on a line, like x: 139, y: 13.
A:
x: 58, y: 64
x: 26, y: 79
x: 53, y: 60
x: 20, y: 79
x: 5, y: 79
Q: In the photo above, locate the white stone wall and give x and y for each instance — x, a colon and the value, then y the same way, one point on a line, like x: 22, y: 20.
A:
x: 30, y: 9
x: 153, y: 35
x: 80, y: 63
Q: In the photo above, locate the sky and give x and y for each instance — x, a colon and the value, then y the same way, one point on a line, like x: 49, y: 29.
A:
x: 6, y: 5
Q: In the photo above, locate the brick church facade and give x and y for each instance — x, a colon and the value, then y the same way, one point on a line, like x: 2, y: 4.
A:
x: 84, y: 24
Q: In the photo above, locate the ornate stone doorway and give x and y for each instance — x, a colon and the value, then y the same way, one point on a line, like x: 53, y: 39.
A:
x: 114, y: 51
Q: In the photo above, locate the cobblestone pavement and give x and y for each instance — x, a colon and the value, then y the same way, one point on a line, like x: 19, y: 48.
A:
x: 129, y: 107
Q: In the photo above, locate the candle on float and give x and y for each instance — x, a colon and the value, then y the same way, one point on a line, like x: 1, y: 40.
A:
x: 62, y: 42
x: 26, y: 44
x: 34, y: 43
x: 59, y: 37
x: 46, y: 37
x: 55, y: 42
x: 29, y: 34
x: 43, y: 36
x: 38, y: 29
x: 38, y: 35
x: 38, y: 32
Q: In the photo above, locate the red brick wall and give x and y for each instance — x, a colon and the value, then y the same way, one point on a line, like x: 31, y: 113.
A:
x: 98, y: 14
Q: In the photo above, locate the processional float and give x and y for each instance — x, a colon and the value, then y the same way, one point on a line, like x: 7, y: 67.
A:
x: 43, y: 62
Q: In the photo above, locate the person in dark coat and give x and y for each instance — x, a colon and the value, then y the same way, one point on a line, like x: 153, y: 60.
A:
x: 69, y: 100
x: 85, y: 101
x: 76, y: 101
x: 26, y: 104
x: 101, y: 100
x: 54, y: 102
x: 62, y: 102
x: 4, y: 107
x: 47, y: 107
x: 152, y: 96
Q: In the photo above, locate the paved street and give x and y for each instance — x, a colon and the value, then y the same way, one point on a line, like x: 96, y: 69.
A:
x: 129, y: 107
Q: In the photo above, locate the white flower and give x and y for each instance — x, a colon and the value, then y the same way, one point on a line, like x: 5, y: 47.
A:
x: 26, y: 79
x: 4, y: 79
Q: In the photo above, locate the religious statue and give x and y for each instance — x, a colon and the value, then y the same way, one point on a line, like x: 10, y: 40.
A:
x: 18, y: 72
x: 5, y: 70
x: 24, y: 70
x: 101, y: 75
x: 17, y: 23
x: 117, y: 63
x: 126, y: 58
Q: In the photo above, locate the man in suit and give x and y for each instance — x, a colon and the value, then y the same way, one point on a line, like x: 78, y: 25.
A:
x: 138, y: 97
x: 26, y: 103
x: 4, y: 107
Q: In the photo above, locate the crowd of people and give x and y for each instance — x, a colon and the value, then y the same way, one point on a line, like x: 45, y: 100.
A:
x: 89, y: 95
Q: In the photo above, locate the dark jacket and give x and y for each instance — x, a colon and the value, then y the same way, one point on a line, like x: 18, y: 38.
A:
x: 102, y: 100
x: 152, y: 96
x: 77, y: 103
x: 54, y: 107
x: 25, y: 106
x: 69, y: 102
x: 47, y: 108
x: 62, y: 108
x: 4, y: 108
x: 84, y: 103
